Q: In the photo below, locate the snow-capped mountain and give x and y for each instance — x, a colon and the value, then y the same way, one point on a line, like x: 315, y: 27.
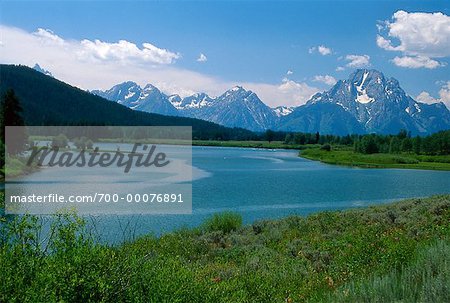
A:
x: 283, y: 110
x: 378, y: 104
x: 195, y: 102
x: 147, y: 99
x: 38, y: 68
x: 366, y: 102
x: 236, y: 107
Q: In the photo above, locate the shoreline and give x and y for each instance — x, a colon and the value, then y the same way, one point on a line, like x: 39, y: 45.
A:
x: 333, y: 252
x: 375, y: 161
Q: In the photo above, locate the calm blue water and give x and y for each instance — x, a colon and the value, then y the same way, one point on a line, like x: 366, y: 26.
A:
x: 262, y: 184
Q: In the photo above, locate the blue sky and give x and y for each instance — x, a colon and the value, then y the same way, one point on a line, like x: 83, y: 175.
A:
x: 251, y: 43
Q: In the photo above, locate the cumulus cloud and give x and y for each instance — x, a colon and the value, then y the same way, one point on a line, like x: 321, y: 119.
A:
x: 289, y: 72
x: 340, y: 68
x: 416, y: 62
x: 202, y: 58
x: 100, y: 65
x: 420, y: 37
x: 124, y: 51
x: 321, y: 49
x: 327, y: 79
x: 444, y: 96
x: 288, y: 92
x: 425, y: 97
x: 357, y: 61
x: 47, y: 36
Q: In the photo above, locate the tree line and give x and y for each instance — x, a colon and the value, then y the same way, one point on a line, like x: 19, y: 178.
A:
x: 435, y: 144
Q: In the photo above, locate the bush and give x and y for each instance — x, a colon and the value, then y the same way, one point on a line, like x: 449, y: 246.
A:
x: 326, y: 147
x: 225, y: 222
x: 426, y: 280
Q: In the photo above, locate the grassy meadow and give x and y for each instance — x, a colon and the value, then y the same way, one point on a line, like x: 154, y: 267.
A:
x: 396, y: 252
x: 346, y: 156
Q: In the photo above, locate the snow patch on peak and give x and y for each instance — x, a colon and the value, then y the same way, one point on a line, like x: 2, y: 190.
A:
x: 362, y: 95
x: 130, y: 94
x: 282, y: 110
x: 417, y: 107
x: 38, y: 68
x: 359, y: 87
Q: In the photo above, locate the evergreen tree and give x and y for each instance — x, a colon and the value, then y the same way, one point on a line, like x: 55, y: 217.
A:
x: 11, y: 115
x: 394, y: 146
x: 288, y: 139
x: 417, y: 145
x: 317, y: 137
x: 269, y: 135
x: 406, y: 145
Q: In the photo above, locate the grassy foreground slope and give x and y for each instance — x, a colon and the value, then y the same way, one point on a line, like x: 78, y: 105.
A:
x: 397, y: 251
x: 379, y: 160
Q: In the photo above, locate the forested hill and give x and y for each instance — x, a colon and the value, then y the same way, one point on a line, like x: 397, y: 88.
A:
x: 48, y: 101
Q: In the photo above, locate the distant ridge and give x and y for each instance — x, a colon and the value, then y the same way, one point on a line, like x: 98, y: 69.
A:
x: 48, y: 101
x: 366, y: 102
x: 378, y: 104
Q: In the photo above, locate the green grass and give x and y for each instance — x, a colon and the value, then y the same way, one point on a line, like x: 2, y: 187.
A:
x: 251, y: 144
x: 228, y: 143
x: 16, y: 166
x: 224, y: 222
x: 349, y: 158
x: 427, y: 279
x: 295, y: 259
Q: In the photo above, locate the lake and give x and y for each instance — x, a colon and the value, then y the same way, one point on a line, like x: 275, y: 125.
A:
x: 267, y: 184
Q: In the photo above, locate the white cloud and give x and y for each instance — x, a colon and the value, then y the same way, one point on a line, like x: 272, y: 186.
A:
x: 100, y: 65
x: 48, y: 37
x: 444, y: 96
x: 357, y: 61
x: 340, y: 68
x: 124, y: 51
x: 288, y: 92
x: 327, y: 79
x: 416, y: 62
x: 420, y: 36
x: 289, y: 72
x: 202, y: 58
x: 425, y: 97
x: 321, y: 49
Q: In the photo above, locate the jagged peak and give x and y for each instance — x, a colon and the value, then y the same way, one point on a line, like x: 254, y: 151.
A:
x: 237, y: 88
x: 127, y: 84
x: 149, y: 86
x: 371, y: 75
x: 38, y: 68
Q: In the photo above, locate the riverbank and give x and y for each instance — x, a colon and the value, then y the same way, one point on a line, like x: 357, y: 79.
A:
x: 216, y: 143
x: 17, y: 167
x: 329, y: 256
x: 379, y: 160
x: 252, y: 144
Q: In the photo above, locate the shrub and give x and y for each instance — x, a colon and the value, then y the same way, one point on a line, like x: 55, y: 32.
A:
x: 225, y: 222
x: 326, y: 147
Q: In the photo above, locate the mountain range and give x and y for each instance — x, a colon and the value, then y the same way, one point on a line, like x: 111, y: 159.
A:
x: 47, y: 101
x: 366, y: 102
x: 236, y: 107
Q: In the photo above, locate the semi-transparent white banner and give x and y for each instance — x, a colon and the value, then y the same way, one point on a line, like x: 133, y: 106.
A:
x: 98, y: 170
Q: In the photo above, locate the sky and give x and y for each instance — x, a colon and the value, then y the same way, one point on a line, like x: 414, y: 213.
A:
x: 285, y: 51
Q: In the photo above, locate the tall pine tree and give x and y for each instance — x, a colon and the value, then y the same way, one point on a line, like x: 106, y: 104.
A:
x: 11, y: 115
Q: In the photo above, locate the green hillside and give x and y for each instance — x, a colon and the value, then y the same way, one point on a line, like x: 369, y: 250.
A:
x: 48, y: 101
